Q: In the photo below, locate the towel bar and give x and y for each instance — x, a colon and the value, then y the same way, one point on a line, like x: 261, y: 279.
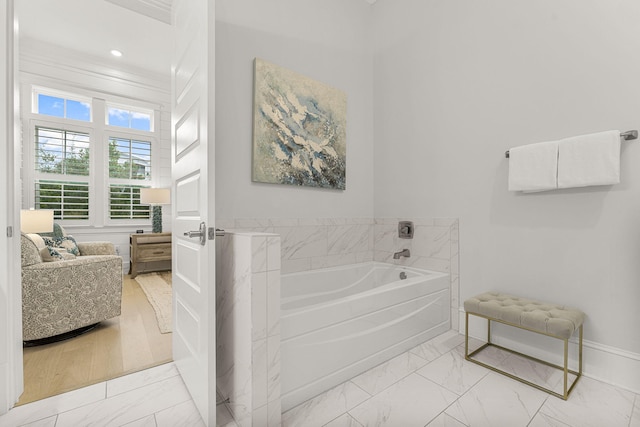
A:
x: 626, y: 136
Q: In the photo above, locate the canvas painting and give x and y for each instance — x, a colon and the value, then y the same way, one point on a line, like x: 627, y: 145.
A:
x: 299, y: 129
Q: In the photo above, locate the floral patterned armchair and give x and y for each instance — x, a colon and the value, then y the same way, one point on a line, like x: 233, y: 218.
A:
x: 79, y: 289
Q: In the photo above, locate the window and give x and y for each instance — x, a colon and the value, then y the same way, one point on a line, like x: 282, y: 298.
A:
x: 127, y: 118
x: 62, y: 166
x: 129, y: 159
x: 129, y: 163
x: 87, y: 172
x: 124, y: 202
x: 62, y: 152
x: 69, y: 200
x: 62, y: 106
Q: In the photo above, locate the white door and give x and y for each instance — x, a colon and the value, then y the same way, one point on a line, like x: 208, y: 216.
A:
x: 192, y: 152
x: 11, y: 381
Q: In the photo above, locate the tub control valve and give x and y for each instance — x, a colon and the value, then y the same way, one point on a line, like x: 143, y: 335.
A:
x: 405, y: 229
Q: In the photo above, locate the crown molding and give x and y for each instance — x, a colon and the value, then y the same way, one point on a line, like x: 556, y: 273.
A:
x: 47, y: 60
x: 156, y: 9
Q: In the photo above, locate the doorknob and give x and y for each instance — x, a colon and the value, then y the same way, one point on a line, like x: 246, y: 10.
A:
x: 201, y: 234
x: 215, y: 232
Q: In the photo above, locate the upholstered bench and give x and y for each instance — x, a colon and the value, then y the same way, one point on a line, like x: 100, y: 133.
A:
x: 552, y: 320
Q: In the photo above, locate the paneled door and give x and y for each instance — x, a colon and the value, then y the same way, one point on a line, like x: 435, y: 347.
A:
x: 192, y: 153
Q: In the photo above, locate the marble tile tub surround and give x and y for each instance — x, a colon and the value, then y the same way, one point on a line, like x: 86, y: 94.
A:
x: 310, y: 244
x: 435, y: 246
x: 248, y: 326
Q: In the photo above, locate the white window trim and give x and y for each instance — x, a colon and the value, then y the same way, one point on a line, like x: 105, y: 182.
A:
x: 36, y: 90
x: 98, y: 130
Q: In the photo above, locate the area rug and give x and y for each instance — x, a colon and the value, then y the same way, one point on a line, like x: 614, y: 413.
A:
x: 157, y: 288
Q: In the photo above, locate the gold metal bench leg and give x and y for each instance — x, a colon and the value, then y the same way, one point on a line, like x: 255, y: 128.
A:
x: 580, y: 352
x: 566, y: 368
x: 466, y: 335
x: 566, y: 389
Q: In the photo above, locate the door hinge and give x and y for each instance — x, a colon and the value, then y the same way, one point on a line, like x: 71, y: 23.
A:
x: 9, y: 231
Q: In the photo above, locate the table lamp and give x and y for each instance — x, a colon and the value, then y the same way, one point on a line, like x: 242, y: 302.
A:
x: 155, y: 197
x: 36, y: 221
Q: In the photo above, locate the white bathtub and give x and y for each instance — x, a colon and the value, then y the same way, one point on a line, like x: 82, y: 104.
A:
x: 339, y: 322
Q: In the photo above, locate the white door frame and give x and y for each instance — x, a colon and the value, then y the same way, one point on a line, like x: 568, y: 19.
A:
x: 11, y: 361
x: 11, y: 373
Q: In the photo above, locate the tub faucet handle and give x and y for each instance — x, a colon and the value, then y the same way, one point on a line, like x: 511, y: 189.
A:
x: 405, y: 230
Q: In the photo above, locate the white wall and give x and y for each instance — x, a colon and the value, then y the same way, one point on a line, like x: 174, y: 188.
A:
x: 326, y: 40
x: 459, y: 82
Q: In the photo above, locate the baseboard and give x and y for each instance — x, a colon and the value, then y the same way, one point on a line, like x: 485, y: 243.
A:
x: 4, y: 388
x: 601, y: 362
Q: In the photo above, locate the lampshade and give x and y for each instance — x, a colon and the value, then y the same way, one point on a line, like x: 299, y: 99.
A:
x: 155, y: 196
x: 36, y: 221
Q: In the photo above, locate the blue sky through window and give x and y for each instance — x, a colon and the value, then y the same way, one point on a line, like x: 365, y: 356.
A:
x: 129, y: 119
x: 55, y: 106
x: 78, y: 110
x: 141, y: 121
x: 118, y: 117
x: 50, y: 105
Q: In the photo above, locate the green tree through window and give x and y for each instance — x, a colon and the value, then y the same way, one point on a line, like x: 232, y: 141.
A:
x: 129, y: 159
x: 69, y: 200
x: 64, y: 152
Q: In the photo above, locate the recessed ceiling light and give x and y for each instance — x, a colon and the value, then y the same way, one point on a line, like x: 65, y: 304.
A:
x: 116, y: 52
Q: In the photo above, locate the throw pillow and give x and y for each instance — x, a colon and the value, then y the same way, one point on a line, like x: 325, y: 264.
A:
x: 58, y: 231
x: 66, y: 242
x: 50, y: 254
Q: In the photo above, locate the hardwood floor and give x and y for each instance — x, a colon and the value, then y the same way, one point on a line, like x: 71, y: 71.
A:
x: 119, y: 346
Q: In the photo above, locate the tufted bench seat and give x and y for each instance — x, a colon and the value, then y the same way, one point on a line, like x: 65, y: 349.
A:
x: 552, y: 320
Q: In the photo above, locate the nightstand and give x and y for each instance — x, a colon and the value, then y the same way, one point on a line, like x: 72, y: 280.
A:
x: 149, y: 252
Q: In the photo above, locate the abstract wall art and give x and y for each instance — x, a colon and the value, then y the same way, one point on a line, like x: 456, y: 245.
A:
x: 299, y: 129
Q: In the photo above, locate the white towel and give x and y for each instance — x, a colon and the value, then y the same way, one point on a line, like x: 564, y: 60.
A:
x: 592, y: 159
x: 534, y: 167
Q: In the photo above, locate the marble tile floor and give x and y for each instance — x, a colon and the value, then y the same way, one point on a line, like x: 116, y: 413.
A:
x: 155, y: 397
x: 430, y: 385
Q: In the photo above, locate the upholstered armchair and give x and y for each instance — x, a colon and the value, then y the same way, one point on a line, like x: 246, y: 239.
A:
x: 71, y: 291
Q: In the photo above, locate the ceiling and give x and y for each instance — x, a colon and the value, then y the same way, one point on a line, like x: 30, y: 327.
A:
x: 95, y: 27
x: 140, y: 29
